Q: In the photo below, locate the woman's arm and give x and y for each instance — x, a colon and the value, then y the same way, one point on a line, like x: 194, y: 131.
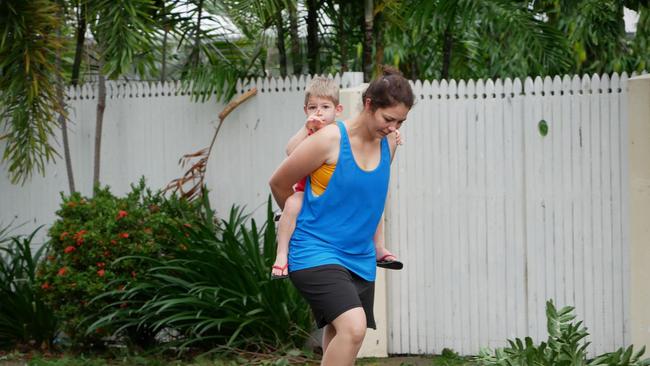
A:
x: 296, y: 140
x: 320, y: 148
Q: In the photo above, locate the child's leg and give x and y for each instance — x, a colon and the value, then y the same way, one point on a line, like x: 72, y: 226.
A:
x: 286, y: 226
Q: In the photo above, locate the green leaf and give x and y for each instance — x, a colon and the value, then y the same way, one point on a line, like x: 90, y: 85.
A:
x: 542, y: 127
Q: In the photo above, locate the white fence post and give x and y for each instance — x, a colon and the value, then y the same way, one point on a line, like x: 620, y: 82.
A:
x: 375, y: 344
x: 639, y: 210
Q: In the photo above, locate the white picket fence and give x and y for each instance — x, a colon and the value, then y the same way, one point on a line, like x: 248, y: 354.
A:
x: 490, y: 217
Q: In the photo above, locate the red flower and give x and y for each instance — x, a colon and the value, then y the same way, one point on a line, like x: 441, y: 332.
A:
x: 101, y: 273
x: 121, y: 214
x: 45, y: 286
x: 124, y: 235
x: 101, y: 264
x: 62, y: 271
x: 107, y: 253
x: 69, y: 249
x: 113, y: 241
x: 63, y: 235
x: 79, y: 236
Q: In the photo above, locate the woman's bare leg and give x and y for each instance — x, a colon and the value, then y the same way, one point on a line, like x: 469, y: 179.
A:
x: 350, y: 329
x: 328, y: 333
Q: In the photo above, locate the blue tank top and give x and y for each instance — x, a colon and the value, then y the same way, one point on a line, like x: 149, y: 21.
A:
x: 338, y: 226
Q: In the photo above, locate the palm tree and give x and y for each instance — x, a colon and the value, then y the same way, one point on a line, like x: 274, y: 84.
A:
x: 123, y: 34
x: 482, y: 38
x: 29, y: 77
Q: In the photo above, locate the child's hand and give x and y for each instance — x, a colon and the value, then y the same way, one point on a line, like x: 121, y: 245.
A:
x: 398, y: 138
x: 314, y: 123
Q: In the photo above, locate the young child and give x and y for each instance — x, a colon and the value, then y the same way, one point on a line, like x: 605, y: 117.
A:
x: 321, y: 107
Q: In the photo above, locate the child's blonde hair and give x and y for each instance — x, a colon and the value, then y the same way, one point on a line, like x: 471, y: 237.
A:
x: 322, y: 87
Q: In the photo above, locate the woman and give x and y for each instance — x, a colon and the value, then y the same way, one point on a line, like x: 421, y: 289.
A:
x: 331, y: 253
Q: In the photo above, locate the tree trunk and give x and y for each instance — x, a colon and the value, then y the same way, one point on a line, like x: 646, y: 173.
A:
x: 63, y: 122
x: 367, y: 39
x: 163, y: 66
x: 101, y: 105
x: 343, y: 40
x: 379, y: 42
x: 296, y: 56
x: 312, y: 37
x: 197, y: 40
x: 81, y: 36
x: 446, y: 52
x: 282, y: 53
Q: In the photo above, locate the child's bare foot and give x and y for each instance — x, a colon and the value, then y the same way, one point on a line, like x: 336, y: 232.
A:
x: 280, y: 268
x: 386, y: 259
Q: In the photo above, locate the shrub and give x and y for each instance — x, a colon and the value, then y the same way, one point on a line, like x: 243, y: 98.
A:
x: 565, y: 346
x: 89, y: 234
x: 25, y: 320
x: 215, y: 291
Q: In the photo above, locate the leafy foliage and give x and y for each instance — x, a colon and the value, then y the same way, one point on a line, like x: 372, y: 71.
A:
x: 209, y: 45
x: 89, y: 234
x: 214, y: 291
x: 28, y: 75
x: 566, y: 346
x: 25, y: 320
x: 123, y: 31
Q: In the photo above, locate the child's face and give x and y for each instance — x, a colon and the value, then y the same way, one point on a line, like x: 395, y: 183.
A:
x: 322, y: 108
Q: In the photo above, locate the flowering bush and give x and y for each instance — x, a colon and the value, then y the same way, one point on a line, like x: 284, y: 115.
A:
x: 89, y: 234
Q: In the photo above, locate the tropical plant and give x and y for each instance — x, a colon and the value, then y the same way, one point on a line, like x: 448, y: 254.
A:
x: 566, y: 346
x: 213, y: 292
x: 25, y: 319
x: 88, y: 235
x: 28, y: 83
x: 210, y: 44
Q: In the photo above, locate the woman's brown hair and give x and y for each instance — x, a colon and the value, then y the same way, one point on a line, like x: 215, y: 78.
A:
x: 389, y: 89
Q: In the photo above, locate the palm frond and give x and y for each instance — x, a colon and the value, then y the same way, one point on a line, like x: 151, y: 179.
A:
x: 195, y: 175
x: 28, y: 84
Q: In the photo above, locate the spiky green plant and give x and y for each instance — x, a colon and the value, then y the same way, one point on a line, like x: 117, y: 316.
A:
x: 215, y: 291
x: 24, y: 317
x: 566, y: 346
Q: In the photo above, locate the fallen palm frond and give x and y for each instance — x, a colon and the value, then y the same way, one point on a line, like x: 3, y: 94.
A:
x: 191, y: 183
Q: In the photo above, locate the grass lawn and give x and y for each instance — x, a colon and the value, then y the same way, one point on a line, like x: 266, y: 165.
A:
x: 15, y: 359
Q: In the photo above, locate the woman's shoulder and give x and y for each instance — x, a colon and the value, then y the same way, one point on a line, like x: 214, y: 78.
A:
x: 329, y: 132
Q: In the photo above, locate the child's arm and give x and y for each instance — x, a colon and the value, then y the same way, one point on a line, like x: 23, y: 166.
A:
x: 296, y: 140
x: 313, y: 124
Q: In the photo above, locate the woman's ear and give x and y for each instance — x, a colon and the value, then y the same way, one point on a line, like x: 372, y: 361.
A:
x: 367, y: 103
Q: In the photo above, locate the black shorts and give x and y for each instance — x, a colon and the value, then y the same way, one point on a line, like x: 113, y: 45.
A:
x: 331, y: 290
